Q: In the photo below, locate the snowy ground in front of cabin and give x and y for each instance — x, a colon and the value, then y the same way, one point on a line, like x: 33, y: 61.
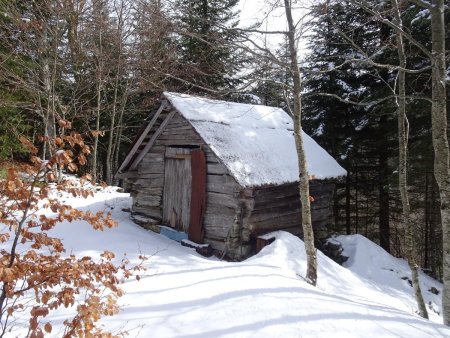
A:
x: 185, y: 295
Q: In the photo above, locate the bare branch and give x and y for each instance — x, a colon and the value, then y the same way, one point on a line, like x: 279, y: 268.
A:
x: 367, y: 104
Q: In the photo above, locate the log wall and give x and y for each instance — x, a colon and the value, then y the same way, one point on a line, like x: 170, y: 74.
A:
x: 278, y: 208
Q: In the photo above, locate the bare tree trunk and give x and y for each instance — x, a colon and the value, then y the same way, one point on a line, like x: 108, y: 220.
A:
x: 110, y: 148
x: 118, y: 135
x: 99, y: 103
x: 73, y: 11
x: 97, y: 128
x: 440, y: 141
x: 112, y: 126
x: 46, y: 78
x: 403, y: 134
x: 311, y: 273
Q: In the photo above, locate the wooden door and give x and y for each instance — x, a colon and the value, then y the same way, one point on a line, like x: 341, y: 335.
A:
x: 198, y: 196
x: 177, y: 188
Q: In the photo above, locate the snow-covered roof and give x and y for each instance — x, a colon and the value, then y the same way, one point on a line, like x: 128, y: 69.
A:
x: 255, y: 142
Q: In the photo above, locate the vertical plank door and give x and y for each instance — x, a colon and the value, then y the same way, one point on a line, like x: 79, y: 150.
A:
x: 177, y: 188
x: 198, y: 196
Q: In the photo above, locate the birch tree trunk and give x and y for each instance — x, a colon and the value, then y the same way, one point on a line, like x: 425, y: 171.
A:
x: 440, y: 140
x: 311, y: 273
x: 403, y: 135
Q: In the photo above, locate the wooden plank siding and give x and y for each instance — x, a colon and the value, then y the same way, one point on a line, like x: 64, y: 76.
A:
x: 278, y: 207
x: 147, y: 182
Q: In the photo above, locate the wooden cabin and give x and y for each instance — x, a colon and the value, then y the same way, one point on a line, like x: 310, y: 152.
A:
x: 224, y: 173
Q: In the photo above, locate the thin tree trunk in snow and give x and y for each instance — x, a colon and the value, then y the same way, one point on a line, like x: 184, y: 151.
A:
x: 118, y: 137
x: 403, y: 134
x: 109, y: 150
x: 311, y: 273
x: 440, y: 140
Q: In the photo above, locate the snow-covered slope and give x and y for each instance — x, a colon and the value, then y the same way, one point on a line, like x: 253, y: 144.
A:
x: 185, y: 295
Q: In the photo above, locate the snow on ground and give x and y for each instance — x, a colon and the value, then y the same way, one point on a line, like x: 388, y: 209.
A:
x: 185, y: 295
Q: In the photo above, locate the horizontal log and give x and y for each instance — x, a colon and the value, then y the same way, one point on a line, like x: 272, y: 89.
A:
x: 217, y: 244
x: 216, y: 168
x: 154, y: 181
x: 277, y: 190
x: 218, y: 220
x: 151, y: 212
x: 178, y: 129
x: 151, y: 157
x: 278, y: 222
x: 157, y: 150
x: 151, y: 168
x: 128, y: 174
x: 177, y: 126
x: 150, y: 201
x: 284, y: 222
x: 215, y: 232
x: 224, y: 200
x: 147, y: 177
x: 290, y: 203
x: 211, y: 158
x: 222, y: 179
x: 178, y: 142
x: 291, y: 198
x: 224, y: 184
x: 157, y: 191
x: 215, y: 209
x: 275, y: 215
x: 268, y: 226
x: 283, y: 211
x: 317, y: 189
x: 187, y: 137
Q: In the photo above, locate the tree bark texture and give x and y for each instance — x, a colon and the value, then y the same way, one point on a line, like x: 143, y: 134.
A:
x: 311, y: 273
x: 440, y: 140
x: 403, y: 134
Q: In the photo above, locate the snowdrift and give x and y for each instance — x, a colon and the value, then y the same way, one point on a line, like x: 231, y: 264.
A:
x: 185, y: 295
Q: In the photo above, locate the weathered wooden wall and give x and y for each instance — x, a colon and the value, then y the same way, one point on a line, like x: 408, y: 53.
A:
x: 147, y: 184
x: 278, y: 208
x: 233, y: 215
